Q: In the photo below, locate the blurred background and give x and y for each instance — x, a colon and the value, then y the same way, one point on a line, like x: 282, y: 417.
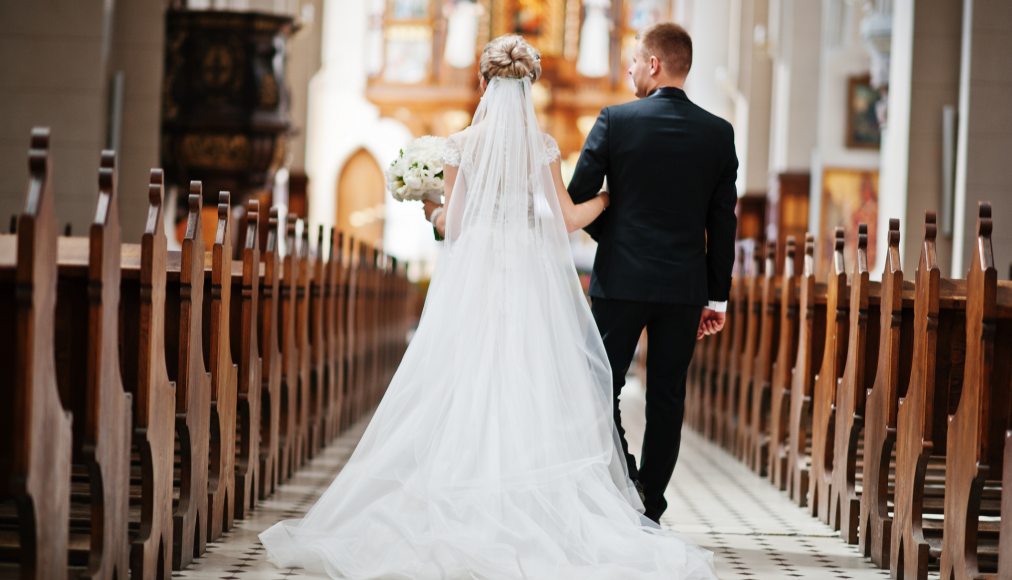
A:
x: 845, y: 111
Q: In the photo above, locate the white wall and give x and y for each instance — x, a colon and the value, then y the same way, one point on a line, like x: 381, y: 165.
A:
x: 708, y: 21
x: 923, y: 78
x: 341, y: 121
x: 796, y: 42
x: 983, y: 171
x: 843, y: 55
x: 54, y: 73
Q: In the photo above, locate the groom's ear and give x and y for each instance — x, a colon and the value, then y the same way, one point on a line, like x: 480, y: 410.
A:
x: 655, y: 65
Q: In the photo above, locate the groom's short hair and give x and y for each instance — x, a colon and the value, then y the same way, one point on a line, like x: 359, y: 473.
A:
x: 671, y: 44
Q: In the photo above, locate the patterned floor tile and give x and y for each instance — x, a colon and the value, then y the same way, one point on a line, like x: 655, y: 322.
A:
x: 754, y: 531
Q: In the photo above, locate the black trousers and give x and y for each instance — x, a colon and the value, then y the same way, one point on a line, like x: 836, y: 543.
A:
x: 671, y: 333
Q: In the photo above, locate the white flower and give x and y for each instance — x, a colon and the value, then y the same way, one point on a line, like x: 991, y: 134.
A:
x: 413, y: 181
x: 417, y: 173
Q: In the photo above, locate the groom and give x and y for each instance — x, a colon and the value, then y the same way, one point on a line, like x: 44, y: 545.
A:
x: 666, y: 243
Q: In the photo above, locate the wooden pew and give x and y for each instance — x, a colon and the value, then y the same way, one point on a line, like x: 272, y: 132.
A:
x: 245, y: 307
x: 824, y: 395
x: 893, y: 369
x: 355, y: 338
x: 753, y: 314
x: 333, y: 328
x: 142, y: 328
x: 1005, y: 535
x: 319, y: 393
x: 876, y: 470
x: 364, y: 327
x: 847, y: 427
x: 738, y: 310
x: 35, y: 427
x: 382, y: 326
x: 762, y: 370
x: 386, y: 297
x: 923, y: 414
x: 288, y: 440
x: 780, y: 384
x: 373, y: 333
x: 976, y: 437
x: 693, y: 387
x: 304, y: 426
x: 185, y: 360
x: 345, y: 316
x: 719, y: 375
x: 270, y: 335
x: 811, y: 339
x: 697, y: 409
x: 88, y: 374
x: 217, y: 310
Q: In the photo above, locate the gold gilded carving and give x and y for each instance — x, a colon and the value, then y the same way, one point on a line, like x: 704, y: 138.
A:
x: 268, y: 92
x: 221, y: 152
x: 218, y: 66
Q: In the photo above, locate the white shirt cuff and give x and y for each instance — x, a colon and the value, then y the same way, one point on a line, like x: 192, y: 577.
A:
x: 717, y: 306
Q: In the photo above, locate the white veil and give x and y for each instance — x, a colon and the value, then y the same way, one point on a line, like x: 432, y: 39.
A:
x: 505, y: 185
x: 493, y: 453
x: 507, y: 250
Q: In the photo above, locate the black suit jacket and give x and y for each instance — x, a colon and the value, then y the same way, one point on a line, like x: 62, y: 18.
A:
x: 668, y: 235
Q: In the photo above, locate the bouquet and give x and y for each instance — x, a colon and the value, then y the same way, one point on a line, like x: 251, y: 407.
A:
x: 417, y: 172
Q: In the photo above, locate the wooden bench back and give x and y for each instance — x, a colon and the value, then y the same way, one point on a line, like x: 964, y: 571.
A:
x: 783, y: 367
x: 35, y: 473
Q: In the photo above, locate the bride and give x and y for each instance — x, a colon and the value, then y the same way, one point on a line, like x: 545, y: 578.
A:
x: 493, y: 454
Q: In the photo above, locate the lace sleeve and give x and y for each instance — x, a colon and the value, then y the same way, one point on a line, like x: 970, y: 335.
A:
x: 552, y: 153
x: 451, y: 154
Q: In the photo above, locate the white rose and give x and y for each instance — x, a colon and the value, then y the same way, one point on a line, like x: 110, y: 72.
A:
x: 412, y: 181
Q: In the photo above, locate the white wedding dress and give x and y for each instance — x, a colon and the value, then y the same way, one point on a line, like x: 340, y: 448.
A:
x: 493, y: 454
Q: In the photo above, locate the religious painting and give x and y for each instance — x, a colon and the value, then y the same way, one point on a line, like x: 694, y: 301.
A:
x: 408, y: 54
x: 541, y: 22
x: 409, y: 9
x: 849, y: 198
x: 863, y: 130
x: 529, y: 17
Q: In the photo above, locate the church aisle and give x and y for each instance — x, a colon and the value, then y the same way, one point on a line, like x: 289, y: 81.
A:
x: 755, y: 531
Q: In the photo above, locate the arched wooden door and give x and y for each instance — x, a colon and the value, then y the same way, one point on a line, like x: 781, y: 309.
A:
x: 360, y: 198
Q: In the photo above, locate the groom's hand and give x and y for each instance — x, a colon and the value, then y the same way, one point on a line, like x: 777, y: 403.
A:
x: 710, y: 322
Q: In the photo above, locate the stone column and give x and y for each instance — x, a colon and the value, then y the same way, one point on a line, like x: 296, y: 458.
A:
x: 795, y: 43
x: 138, y: 52
x: 843, y: 54
x: 304, y: 61
x: 54, y: 72
x: 708, y: 23
x: 752, y: 101
x: 983, y: 171
x: 923, y: 79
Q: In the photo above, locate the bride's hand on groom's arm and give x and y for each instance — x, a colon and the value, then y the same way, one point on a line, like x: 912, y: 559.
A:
x: 710, y: 322
x: 605, y: 197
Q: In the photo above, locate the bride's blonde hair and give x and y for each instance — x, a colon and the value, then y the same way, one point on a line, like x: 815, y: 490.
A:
x: 510, y: 56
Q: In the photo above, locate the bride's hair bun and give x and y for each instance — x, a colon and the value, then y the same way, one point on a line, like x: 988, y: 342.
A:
x: 510, y: 57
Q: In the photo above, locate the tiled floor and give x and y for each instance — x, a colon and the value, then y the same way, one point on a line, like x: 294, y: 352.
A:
x: 713, y: 500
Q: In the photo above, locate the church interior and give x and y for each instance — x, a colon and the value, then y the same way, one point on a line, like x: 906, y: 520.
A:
x: 206, y: 284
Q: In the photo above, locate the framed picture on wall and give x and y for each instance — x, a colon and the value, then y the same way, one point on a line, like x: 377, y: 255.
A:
x: 849, y: 198
x: 863, y: 130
